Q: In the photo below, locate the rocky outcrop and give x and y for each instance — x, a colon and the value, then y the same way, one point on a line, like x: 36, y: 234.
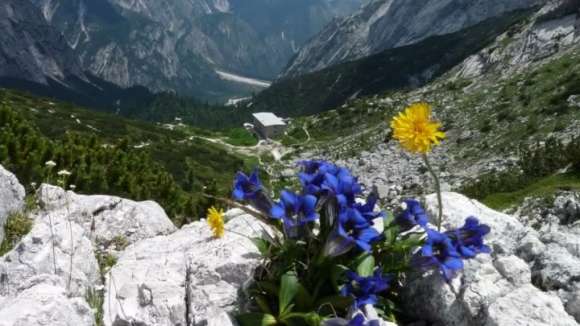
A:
x: 11, y: 197
x: 45, y: 278
x: 556, y: 267
x: 56, y: 245
x: 552, y: 29
x: 106, y: 219
x: 163, y: 277
x: 494, y: 289
x: 186, y: 278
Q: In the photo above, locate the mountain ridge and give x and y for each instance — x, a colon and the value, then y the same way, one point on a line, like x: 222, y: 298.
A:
x: 404, y: 67
x: 178, y: 45
x: 384, y: 24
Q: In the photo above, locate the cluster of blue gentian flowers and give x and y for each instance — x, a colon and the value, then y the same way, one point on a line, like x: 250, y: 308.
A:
x: 444, y: 250
x: 323, y: 185
x: 329, y: 197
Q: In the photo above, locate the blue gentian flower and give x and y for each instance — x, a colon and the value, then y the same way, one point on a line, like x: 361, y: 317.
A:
x: 316, y: 166
x: 314, y: 174
x: 295, y: 211
x: 320, y: 177
x: 246, y: 188
x: 468, y: 239
x: 342, y: 185
x: 351, y: 230
x: 364, y: 290
x: 439, y: 251
x: 367, y: 210
x: 357, y: 320
x: 413, y: 215
x: 250, y: 189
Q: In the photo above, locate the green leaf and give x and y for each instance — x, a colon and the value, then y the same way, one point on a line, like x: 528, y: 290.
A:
x: 336, y: 274
x: 256, y: 319
x: 263, y: 303
x: 262, y: 245
x: 304, y: 300
x: 366, y: 266
x: 337, y: 302
x: 288, y: 290
x: 311, y: 318
x: 268, y: 287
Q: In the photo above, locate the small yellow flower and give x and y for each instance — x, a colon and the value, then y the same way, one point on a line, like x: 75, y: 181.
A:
x: 415, y: 130
x: 215, y: 219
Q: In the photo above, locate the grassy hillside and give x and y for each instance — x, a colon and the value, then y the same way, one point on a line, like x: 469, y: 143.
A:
x: 108, y: 154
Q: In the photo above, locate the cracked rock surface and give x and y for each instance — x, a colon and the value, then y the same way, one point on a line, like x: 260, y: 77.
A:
x: 185, y: 278
x: 107, y: 217
x: 496, y: 289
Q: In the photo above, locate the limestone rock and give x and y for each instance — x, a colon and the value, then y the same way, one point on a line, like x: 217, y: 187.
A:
x: 515, y: 270
x: 54, y: 246
x: 11, y: 197
x: 44, y: 301
x: 506, y: 230
x: 187, y: 277
x: 528, y: 306
x: 105, y: 218
x: 495, y: 289
x: 556, y: 268
x: 573, y: 303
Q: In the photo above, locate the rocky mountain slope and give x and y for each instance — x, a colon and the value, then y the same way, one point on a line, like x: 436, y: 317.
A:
x: 179, y: 45
x: 385, y: 24
x: 519, y: 90
x: 408, y: 66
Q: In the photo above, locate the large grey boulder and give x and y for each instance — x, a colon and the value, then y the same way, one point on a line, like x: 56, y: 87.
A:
x: 185, y: 278
x: 506, y: 231
x: 11, y: 197
x: 492, y: 290
x: 44, y: 279
x: 45, y: 301
x: 528, y: 306
x: 54, y: 246
x: 556, y: 263
x: 105, y: 218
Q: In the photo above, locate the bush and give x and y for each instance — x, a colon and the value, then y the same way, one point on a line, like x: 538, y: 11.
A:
x: 241, y: 137
x: 17, y: 226
x: 167, y: 171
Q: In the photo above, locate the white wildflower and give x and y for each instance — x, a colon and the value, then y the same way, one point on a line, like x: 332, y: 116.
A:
x: 64, y: 173
x: 50, y: 164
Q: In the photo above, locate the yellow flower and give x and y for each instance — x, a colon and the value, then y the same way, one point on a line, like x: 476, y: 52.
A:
x: 415, y: 130
x: 215, y: 219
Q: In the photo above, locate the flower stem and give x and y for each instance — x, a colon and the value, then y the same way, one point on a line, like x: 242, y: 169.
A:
x: 437, y: 189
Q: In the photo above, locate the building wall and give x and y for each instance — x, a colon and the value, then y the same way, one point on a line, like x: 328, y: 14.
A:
x: 270, y: 131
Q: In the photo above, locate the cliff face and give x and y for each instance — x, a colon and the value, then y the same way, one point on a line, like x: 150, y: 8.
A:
x: 385, y: 24
x: 32, y: 50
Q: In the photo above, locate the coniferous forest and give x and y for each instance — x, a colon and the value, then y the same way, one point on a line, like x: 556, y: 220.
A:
x: 140, y: 161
